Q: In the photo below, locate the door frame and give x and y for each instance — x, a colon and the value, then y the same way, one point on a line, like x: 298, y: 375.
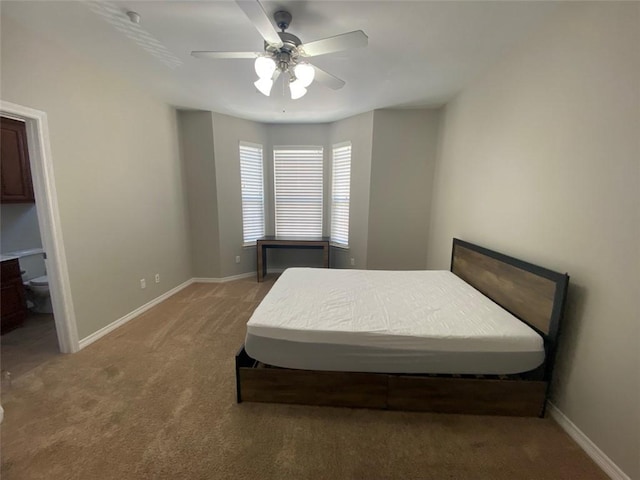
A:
x: 44, y: 188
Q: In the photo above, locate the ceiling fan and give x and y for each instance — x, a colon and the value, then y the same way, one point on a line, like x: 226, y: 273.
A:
x: 285, y: 53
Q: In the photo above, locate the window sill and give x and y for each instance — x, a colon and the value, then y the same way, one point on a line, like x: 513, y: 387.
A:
x: 339, y: 245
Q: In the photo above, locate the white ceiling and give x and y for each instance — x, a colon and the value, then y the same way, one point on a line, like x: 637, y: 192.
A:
x: 420, y: 53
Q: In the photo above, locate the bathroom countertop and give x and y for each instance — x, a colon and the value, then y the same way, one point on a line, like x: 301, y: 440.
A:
x: 20, y: 253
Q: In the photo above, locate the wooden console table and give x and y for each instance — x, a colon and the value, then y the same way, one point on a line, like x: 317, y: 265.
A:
x: 271, y: 241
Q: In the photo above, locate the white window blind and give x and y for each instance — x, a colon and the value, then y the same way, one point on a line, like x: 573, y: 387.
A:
x: 251, y: 177
x: 298, y: 191
x: 340, y: 194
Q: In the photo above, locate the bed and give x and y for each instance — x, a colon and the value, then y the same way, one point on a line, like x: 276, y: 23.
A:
x: 479, y: 338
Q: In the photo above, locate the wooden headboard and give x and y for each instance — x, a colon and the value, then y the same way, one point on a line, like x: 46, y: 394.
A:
x: 534, y: 294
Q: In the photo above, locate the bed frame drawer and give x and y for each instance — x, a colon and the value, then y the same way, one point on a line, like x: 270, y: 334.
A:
x: 256, y: 382
x: 467, y: 395
x: 337, y: 389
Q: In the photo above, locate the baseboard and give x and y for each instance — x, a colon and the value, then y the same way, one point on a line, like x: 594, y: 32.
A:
x: 591, y: 449
x: 121, y: 321
x: 224, y: 279
x: 276, y: 270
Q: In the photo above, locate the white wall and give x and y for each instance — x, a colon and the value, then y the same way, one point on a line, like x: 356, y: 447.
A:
x: 19, y: 228
x: 540, y: 159
x: 118, y: 176
x: 403, y: 158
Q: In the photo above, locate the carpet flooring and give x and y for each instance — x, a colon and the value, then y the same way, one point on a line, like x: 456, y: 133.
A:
x: 155, y: 399
x: 30, y: 345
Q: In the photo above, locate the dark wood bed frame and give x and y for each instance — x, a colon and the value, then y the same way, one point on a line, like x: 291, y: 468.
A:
x: 533, y: 294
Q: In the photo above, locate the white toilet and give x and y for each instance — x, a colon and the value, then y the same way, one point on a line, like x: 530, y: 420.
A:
x: 34, y: 278
x: 38, y: 294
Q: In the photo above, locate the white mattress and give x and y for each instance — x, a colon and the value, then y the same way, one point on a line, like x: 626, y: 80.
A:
x: 397, y: 310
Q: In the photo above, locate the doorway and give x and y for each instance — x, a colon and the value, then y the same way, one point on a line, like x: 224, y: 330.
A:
x: 48, y: 220
x: 28, y: 325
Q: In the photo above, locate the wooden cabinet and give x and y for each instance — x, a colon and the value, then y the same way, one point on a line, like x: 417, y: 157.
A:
x: 14, y: 304
x: 15, y: 173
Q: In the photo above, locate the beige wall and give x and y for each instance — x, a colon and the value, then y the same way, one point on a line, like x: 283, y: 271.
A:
x: 540, y: 160
x: 227, y: 209
x: 196, y: 143
x: 118, y: 176
x: 227, y: 133
x: 359, y: 131
x: 403, y: 157
x: 210, y: 151
x: 400, y: 229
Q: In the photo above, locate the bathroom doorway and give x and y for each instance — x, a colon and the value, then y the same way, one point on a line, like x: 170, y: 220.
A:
x: 28, y: 324
x: 50, y: 326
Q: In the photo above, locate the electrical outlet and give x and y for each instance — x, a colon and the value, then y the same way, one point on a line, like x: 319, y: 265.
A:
x: 157, y: 278
x: 237, y: 258
x: 143, y: 283
x: 353, y: 262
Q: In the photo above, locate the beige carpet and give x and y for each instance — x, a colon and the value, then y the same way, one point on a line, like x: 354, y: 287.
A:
x: 29, y: 346
x: 156, y: 399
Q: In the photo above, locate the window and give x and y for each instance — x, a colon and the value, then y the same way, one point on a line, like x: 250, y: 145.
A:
x: 298, y: 191
x: 251, y: 178
x: 340, y: 194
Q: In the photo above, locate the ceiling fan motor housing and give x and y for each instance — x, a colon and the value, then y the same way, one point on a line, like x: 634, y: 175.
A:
x: 290, y: 44
x: 285, y: 56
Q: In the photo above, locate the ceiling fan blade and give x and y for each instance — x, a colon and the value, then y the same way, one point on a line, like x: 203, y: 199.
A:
x: 206, y: 54
x: 327, y: 79
x: 260, y: 20
x: 335, y: 44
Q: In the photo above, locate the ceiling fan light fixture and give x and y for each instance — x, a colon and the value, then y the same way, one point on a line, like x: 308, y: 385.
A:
x: 264, y: 85
x: 283, y: 52
x: 265, y: 66
x: 297, y: 89
x: 305, y: 73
